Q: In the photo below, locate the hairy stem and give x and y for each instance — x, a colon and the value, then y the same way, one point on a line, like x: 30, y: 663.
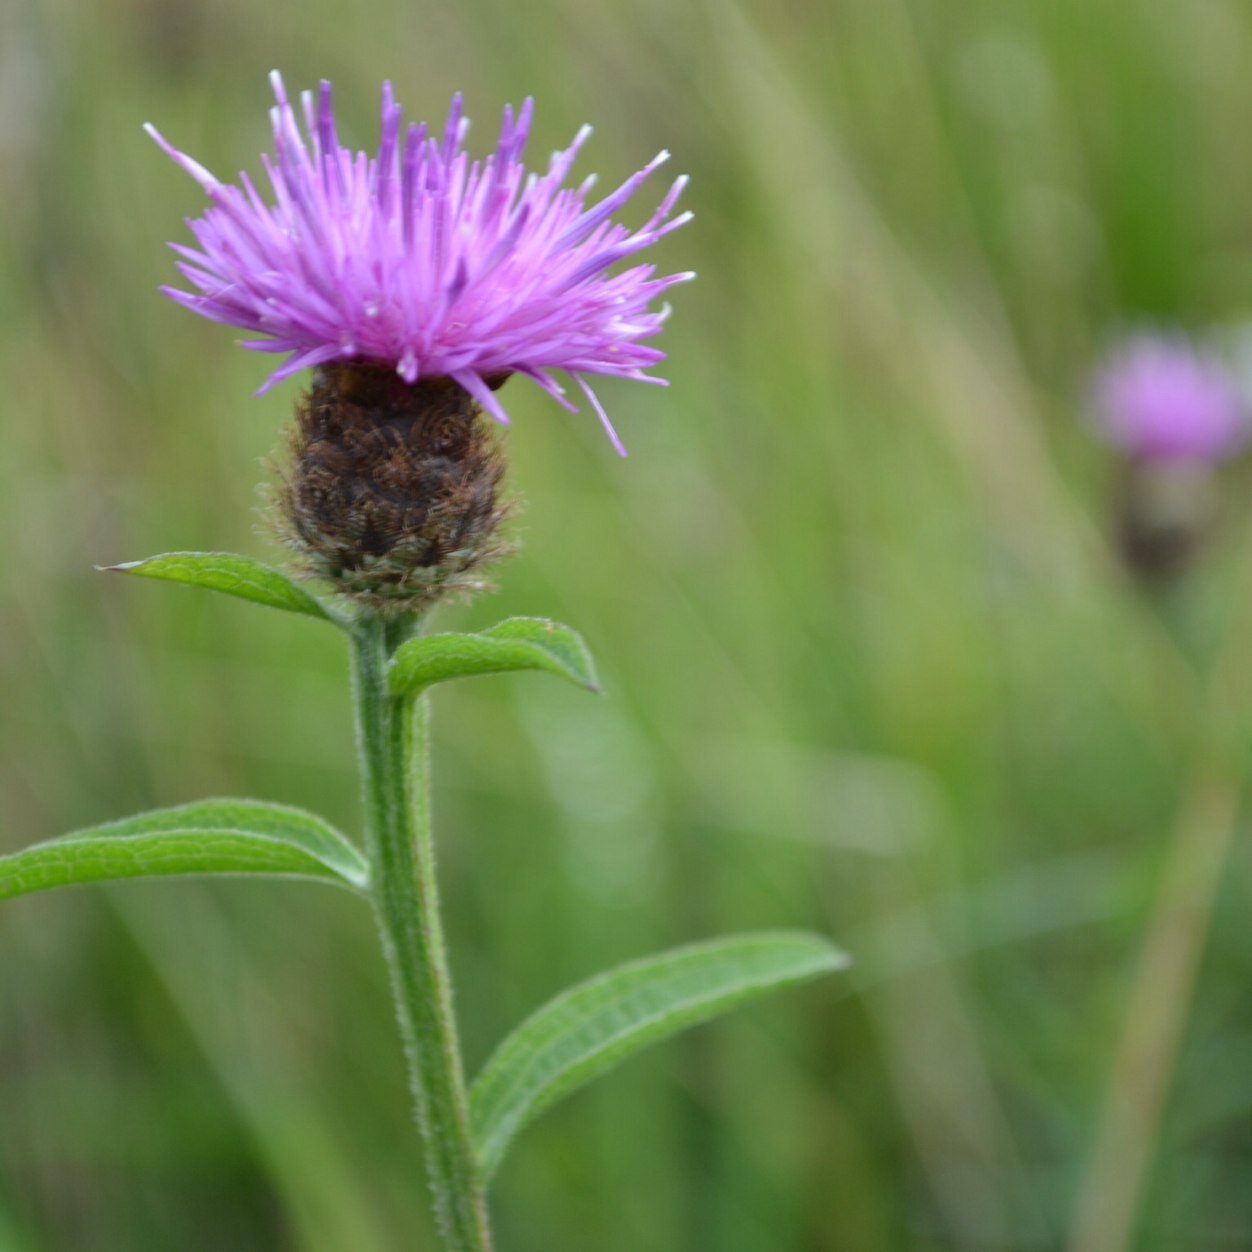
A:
x: 391, y: 738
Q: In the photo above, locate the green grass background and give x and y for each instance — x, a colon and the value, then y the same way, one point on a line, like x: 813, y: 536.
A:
x: 870, y: 666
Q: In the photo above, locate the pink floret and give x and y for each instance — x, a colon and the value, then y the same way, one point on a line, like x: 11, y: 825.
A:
x: 424, y: 260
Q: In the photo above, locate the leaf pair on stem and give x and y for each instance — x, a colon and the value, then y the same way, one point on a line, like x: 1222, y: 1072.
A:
x: 581, y: 1034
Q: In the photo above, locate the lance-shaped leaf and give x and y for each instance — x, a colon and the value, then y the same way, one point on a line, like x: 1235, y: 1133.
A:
x: 519, y: 643
x: 597, y: 1024
x: 210, y: 837
x: 233, y: 575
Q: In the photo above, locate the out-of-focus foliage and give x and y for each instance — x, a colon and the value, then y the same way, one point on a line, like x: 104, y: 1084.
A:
x: 869, y: 665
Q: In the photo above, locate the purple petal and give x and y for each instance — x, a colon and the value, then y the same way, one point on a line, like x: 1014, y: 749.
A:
x: 419, y: 258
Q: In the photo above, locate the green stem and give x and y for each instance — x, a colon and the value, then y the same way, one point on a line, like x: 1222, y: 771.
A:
x: 391, y: 738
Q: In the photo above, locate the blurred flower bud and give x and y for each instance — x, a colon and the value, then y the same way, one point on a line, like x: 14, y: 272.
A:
x: 1175, y: 412
x: 1159, y: 398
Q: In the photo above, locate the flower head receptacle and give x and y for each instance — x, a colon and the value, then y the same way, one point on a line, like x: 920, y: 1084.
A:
x: 391, y: 494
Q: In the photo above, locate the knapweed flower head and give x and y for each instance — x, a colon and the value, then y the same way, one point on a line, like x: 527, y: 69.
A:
x: 1160, y: 398
x: 418, y: 259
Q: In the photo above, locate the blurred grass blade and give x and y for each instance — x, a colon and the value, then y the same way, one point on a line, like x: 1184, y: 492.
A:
x: 518, y: 643
x: 234, y: 575
x: 211, y: 837
x: 592, y: 1027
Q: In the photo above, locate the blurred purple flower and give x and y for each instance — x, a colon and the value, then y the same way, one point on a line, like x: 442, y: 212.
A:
x: 419, y: 259
x: 1161, y: 399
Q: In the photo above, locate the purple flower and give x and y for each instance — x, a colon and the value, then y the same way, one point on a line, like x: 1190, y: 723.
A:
x: 1161, y: 399
x: 420, y: 259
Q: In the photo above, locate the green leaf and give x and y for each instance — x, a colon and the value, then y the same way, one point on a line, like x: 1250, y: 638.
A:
x: 516, y: 644
x: 234, y: 575
x: 211, y: 837
x: 597, y: 1024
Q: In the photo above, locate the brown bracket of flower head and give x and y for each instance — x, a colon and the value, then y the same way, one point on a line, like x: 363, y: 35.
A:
x: 391, y: 491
